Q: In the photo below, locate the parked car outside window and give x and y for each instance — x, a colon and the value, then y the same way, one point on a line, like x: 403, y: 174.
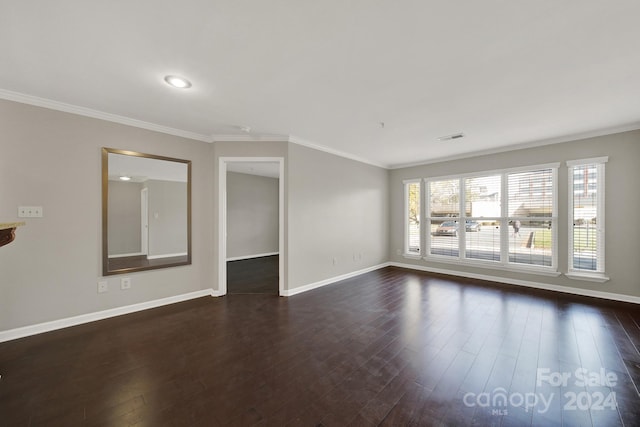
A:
x: 472, y: 226
x: 450, y: 228
x: 447, y: 228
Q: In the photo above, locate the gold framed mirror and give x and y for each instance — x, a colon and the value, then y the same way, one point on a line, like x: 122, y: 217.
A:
x: 146, y: 211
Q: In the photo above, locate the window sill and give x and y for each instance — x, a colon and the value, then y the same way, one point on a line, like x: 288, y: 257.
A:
x: 495, y: 266
x: 411, y: 256
x: 590, y: 277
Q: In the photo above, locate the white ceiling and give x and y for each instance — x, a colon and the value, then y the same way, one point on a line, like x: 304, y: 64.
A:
x: 329, y: 73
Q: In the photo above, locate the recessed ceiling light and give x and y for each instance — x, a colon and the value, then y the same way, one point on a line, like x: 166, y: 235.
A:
x: 179, y: 82
x: 450, y: 137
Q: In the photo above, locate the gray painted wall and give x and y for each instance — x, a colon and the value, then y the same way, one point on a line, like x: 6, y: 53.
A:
x: 338, y: 209
x: 622, y: 243
x: 252, y: 215
x: 125, y: 211
x: 53, y: 159
x: 335, y: 209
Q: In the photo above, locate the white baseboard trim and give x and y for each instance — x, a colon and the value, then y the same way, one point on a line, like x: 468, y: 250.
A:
x: 311, y: 286
x: 39, y: 328
x: 26, y: 331
x: 526, y: 283
x: 239, y: 258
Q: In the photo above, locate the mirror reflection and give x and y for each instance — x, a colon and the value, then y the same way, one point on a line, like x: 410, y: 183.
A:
x: 146, y: 211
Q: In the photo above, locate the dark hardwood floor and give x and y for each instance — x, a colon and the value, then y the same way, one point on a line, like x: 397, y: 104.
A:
x: 253, y: 276
x: 389, y: 348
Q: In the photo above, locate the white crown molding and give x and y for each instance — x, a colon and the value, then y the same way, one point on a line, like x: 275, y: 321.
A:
x: 249, y: 138
x: 531, y: 144
x: 300, y: 141
x: 294, y: 140
x: 88, y: 112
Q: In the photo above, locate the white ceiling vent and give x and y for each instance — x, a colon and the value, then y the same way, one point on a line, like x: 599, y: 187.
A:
x: 450, y: 137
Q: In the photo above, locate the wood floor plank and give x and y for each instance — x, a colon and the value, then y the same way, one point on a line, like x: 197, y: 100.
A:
x: 253, y: 276
x: 387, y: 348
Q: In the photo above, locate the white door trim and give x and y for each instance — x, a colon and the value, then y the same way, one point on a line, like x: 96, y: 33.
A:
x: 222, y: 219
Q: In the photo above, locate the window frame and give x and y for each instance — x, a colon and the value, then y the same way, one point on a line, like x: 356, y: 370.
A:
x: 406, y: 250
x: 599, y: 275
x: 553, y: 218
x: 426, y: 230
x: 503, y: 263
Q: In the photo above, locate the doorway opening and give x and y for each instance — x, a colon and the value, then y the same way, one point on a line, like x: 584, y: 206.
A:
x: 251, y: 225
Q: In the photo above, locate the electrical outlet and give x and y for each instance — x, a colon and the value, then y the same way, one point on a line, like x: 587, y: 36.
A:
x: 103, y: 286
x: 125, y: 283
x: 30, y: 212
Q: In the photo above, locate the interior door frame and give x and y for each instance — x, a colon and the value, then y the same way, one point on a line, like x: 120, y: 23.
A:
x: 222, y: 219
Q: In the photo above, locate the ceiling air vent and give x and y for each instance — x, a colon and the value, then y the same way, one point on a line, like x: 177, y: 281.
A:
x: 450, y: 137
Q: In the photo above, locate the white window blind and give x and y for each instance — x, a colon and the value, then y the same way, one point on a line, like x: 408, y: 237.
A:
x: 444, y: 217
x: 483, y: 202
x: 586, y: 215
x: 504, y: 218
x: 531, y: 217
x: 412, y: 218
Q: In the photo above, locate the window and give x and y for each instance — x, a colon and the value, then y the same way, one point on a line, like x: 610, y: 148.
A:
x: 483, y: 199
x: 412, y: 217
x: 444, y: 216
x: 509, y: 217
x: 531, y: 217
x: 586, y: 218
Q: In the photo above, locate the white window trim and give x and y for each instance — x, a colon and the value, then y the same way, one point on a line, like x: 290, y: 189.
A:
x: 517, y: 169
x: 572, y: 273
x: 589, y: 277
x: 504, y: 264
x: 593, y: 160
x: 405, y: 252
x: 495, y: 265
